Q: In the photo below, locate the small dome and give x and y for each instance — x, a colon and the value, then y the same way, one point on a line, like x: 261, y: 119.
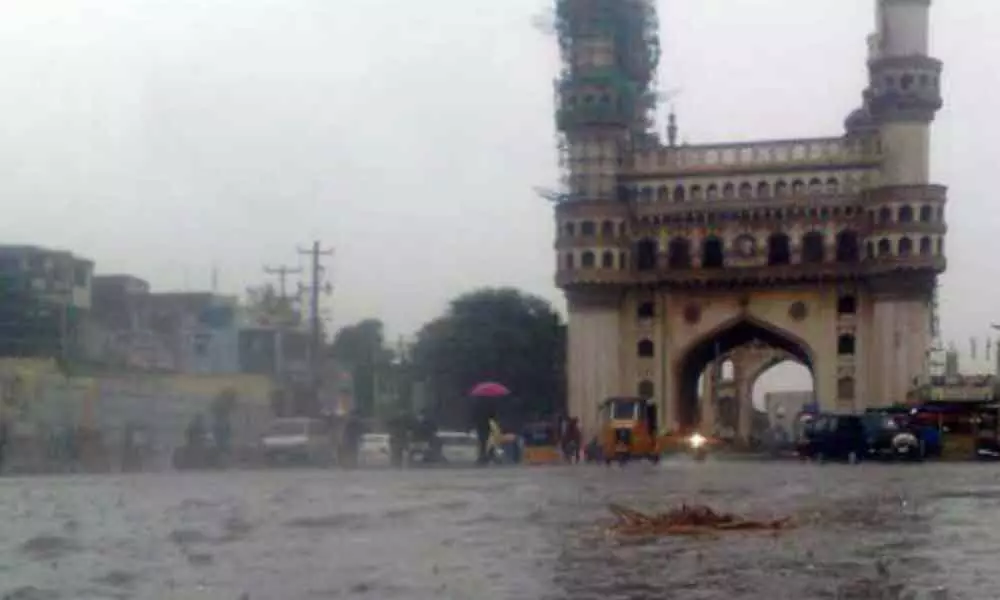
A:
x: 858, y: 120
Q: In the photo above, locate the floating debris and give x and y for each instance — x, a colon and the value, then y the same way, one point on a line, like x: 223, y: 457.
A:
x: 685, y: 520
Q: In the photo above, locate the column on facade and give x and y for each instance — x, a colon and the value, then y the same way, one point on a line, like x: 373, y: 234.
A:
x: 708, y: 399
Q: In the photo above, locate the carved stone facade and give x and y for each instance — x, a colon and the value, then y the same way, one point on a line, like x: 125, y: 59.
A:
x: 824, y: 250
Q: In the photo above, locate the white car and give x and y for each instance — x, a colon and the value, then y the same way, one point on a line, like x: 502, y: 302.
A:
x: 459, y: 448
x: 374, y: 450
x: 298, y: 440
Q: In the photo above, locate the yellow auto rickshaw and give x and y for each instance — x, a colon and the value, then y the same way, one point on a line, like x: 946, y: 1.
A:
x: 629, y: 430
x: 541, y: 444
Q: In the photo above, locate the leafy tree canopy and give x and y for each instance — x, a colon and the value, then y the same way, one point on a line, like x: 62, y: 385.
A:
x: 501, y: 335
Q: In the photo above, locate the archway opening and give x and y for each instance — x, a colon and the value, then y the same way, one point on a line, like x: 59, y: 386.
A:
x: 712, y: 256
x: 645, y: 255
x: 813, y: 251
x: 780, y: 392
x: 718, y: 344
x: 779, y: 249
x: 679, y: 254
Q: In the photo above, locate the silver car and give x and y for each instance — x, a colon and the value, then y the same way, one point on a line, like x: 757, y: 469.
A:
x: 298, y: 440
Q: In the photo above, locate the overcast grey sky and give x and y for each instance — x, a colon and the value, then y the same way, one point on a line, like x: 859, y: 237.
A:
x: 161, y: 136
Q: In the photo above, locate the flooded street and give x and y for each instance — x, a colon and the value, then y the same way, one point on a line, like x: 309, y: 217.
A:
x: 872, y: 531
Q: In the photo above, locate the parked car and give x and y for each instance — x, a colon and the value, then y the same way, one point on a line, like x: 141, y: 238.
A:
x: 857, y: 437
x: 375, y: 450
x: 298, y: 440
x: 459, y: 448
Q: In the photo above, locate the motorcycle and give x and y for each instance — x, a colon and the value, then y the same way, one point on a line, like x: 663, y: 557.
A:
x: 698, y: 446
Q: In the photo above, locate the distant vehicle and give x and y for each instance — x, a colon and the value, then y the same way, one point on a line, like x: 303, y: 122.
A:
x: 857, y: 437
x: 298, y: 440
x: 459, y: 448
x: 541, y: 444
x: 375, y: 450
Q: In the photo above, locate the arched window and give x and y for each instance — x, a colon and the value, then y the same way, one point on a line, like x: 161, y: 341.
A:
x: 815, y: 186
x: 905, y: 246
x: 570, y: 262
x: 812, y: 248
x: 885, y: 215
x: 712, y: 192
x: 779, y: 249
x: 845, y: 388
x: 848, y: 247
x: 587, y: 259
x: 712, y: 255
x: 645, y: 253
x: 608, y: 260
x: 884, y: 248
x: 746, y: 191
x: 622, y: 261
x: 646, y: 389
x: 870, y: 250
x: 663, y: 194
x: 646, y: 349
x: 607, y: 229
x: 925, y: 246
x: 781, y: 188
x: 798, y: 187
x: 647, y: 310
x: 847, y: 305
x: 588, y: 228
x: 925, y: 214
x: 906, y: 214
x: 832, y: 186
x: 728, y: 191
x: 679, y: 193
x: 679, y: 254
x: 845, y: 345
x: 570, y: 228
x: 763, y: 190
x: 696, y: 193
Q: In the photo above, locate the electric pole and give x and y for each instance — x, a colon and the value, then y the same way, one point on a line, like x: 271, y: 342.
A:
x: 315, y: 287
x: 282, y: 272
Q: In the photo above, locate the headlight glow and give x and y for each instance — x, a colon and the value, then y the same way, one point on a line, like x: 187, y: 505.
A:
x: 696, y: 440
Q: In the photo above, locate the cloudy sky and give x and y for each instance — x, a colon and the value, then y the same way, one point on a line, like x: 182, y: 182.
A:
x: 160, y: 137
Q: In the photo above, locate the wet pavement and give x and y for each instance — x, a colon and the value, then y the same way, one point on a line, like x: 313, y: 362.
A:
x: 871, y: 531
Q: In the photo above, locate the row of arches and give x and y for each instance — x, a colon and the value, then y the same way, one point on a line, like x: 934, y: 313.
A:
x: 887, y: 215
x: 730, y: 190
x: 779, y: 251
x: 906, y: 213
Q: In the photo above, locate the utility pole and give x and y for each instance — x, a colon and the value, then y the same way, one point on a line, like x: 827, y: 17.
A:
x: 282, y: 272
x: 315, y: 287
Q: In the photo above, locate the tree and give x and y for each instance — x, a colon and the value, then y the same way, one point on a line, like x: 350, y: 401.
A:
x: 361, y: 348
x: 495, y: 334
x: 268, y: 307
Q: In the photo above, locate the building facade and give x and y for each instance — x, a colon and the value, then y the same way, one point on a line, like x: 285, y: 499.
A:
x: 672, y: 256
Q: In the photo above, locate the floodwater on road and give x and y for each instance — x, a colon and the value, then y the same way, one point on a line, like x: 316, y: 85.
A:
x: 869, y: 531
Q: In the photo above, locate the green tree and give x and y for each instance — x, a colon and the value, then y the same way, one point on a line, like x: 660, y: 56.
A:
x: 361, y: 347
x: 495, y: 334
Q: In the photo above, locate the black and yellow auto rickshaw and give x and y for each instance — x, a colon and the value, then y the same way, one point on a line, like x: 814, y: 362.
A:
x: 629, y: 430
x: 541, y: 444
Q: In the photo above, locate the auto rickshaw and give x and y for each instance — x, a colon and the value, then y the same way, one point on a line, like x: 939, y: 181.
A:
x: 541, y: 444
x: 629, y: 430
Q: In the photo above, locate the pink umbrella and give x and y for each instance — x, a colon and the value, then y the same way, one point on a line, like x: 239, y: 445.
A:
x: 489, y: 389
